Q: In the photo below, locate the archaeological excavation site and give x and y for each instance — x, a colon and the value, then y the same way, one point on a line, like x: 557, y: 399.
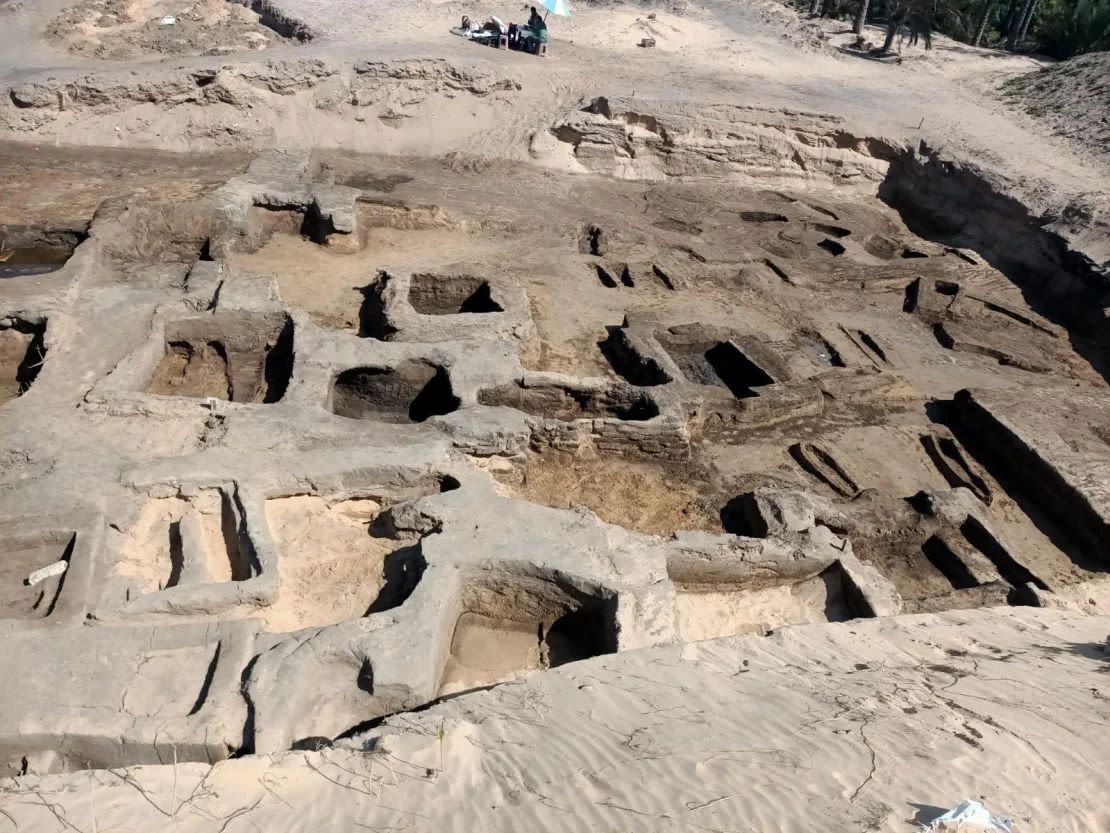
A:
x: 397, y: 434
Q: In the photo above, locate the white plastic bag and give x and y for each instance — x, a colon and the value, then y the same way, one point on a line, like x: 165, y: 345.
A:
x: 970, y: 817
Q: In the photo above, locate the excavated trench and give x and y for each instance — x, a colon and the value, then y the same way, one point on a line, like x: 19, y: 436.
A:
x: 339, y: 569
x: 30, y: 251
x: 513, y: 625
x: 432, y: 294
x: 22, y: 355
x: 946, y: 203
x: 237, y: 358
x: 1064, y: 515
x: 411, y: 391
x: 274, y: 18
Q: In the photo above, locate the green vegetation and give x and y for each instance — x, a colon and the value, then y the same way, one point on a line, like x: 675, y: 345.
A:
x: 1058, y: 28
x: 1071, y: 27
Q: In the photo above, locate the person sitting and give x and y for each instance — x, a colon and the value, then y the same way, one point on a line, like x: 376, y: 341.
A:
x: 536, y: 31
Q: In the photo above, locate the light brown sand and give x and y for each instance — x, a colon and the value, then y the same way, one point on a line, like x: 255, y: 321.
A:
x: 144, y: 559
x: 806, y: 730
x: 330, y: 565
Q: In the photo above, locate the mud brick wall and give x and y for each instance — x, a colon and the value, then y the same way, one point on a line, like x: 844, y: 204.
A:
x: 726, y: 421
x: 561, y: 436
x: 654, y: 438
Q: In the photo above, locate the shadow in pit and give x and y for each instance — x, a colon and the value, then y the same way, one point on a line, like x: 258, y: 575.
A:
x: 1016, y: 486
x: 403, y: 568
x: 738, y: 373
x: 444, y: 294
x: 402, y: 571
x: 412, y: 391
x: 278, y: 367
x: 740, y: 517
x: 246, y: 746
x: 372, y: 320
x: 945, y: 204
x: 22, y: 355
x: 715, y: 362
x: 628, y: 363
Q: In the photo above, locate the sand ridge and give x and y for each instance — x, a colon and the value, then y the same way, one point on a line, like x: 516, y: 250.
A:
x: 810, y: 728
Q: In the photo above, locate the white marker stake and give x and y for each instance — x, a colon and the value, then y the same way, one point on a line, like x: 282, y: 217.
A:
x: 55, y: 569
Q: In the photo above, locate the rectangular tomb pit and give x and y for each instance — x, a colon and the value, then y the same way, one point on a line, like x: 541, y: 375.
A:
x: 705, y: 358
x: 232, y: 356
x: 22, y: 353
x: 341, y: 555
x: 179, y: 541
x: 512, y: 625
x: 432, y: 294
x: 714, y: 610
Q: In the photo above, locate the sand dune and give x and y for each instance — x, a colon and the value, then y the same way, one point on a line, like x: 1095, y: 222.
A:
x: 858, y: 726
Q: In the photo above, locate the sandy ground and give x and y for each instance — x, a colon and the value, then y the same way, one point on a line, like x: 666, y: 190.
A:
x: 126, y: 29
x: 756, y: 53
x: 47, y: 187
x: 867, y: 724
x: 1071, y: 98
x: 877, y: 725
x: 647, y: 498
x: 335, y: 565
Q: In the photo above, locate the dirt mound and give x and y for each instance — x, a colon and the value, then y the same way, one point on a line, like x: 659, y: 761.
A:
x: 371, y: 97
x: 825, y: 698
x: 1073, y: 97
x: 672, y: 6
x: 642, y: 138
x: 125, y: 29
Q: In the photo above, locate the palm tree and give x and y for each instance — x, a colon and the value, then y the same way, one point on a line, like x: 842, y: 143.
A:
x: 981, y: 29
x: 899, y: 11
x: 1014, y: 29
x: 861, y: 16
x: 1026, y: 19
